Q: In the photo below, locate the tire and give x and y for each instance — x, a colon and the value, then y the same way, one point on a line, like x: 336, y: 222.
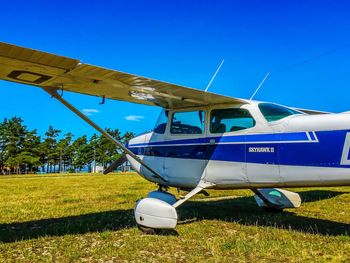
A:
x: 148, y: 230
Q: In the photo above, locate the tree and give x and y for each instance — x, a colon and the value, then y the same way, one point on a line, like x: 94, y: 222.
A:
x: 65, y: 151
x: 23, y: 159
x: 50, y: 148
x: 106, y: 150
x: 22, y: 150
x: 31, y: 150
x: 12, y: 133
x: 82, y: 154
x: 94, y: 146
x: 18, y: 146
x: 127, y: 137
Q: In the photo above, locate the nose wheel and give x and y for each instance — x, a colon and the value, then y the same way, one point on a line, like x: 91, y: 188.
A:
x: 158, y: 210
x: 148, y: 230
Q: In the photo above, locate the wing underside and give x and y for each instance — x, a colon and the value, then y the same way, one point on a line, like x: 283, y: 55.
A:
x: 32, y: 67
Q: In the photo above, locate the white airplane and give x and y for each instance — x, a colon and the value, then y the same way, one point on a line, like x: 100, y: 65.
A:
x: 201, y: 140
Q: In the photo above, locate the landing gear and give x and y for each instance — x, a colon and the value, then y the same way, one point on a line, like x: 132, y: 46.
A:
x: 158, y: 210
x: 275, y: 200
x: 148, y: 230
x: 155, y: 213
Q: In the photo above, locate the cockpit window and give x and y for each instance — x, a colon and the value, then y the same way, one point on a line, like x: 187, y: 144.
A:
x: 230, y: 120
x: 190, y: 122
x: 274, y: 112
x: 161, y: 122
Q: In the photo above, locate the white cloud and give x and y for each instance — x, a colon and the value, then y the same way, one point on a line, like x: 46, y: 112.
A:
x: 89, y: 112
x: 134, y: 118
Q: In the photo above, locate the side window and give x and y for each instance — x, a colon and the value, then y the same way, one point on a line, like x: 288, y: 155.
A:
x: 161, y: 122
x: 230, y: 120
x: 190, y: 122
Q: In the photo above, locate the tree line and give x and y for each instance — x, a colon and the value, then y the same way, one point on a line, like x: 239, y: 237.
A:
x: 24, y: 151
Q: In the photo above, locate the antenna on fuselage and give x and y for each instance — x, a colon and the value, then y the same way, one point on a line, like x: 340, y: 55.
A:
x: 212, y: 79
x: 257, y: 89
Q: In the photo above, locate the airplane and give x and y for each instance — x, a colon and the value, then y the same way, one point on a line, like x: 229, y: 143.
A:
x: 201, y: 140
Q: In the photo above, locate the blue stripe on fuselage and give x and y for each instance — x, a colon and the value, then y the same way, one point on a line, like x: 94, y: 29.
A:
x: 282, y: 137
x: 281, y: 148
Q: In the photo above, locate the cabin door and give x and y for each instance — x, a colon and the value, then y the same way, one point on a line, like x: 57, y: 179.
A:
x: 227, y: 147
x: 185, y: 149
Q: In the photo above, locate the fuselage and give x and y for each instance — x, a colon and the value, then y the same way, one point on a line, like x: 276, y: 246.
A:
x: 246, y: 146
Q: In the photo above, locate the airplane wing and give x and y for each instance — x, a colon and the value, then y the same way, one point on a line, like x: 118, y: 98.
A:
x: 32, y: 67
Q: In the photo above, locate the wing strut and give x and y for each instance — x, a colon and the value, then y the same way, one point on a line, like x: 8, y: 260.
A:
x: 54, y: 94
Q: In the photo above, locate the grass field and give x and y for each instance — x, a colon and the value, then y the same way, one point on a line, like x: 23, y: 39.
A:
x: 89, y: 218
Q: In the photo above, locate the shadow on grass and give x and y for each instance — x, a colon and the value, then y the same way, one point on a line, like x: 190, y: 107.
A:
x: 94, y: 222
x: 317, y: 195
x: 242, y: 210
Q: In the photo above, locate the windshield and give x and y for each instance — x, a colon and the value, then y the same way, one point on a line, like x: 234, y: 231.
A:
x: 274, y: 112
x: 161, y: 122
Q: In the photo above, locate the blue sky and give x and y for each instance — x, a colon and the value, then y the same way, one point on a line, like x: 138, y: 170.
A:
x: 304, y: 44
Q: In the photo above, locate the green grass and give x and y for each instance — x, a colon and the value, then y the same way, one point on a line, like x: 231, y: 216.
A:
x: 89, y: 218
